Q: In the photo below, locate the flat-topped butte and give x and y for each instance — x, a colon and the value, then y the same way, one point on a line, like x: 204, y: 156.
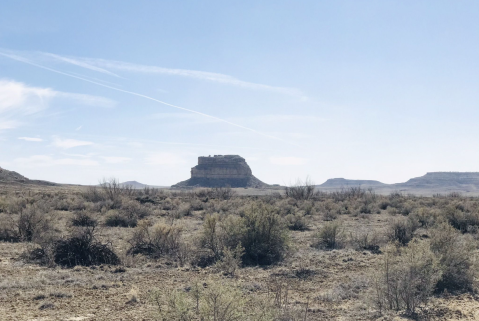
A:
x: 221, y: 171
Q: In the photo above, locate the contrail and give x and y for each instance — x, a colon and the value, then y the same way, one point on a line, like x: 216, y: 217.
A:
x: 26, y: 61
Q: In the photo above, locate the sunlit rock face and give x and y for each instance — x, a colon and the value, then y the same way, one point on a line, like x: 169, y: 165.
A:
x: 221, y: 171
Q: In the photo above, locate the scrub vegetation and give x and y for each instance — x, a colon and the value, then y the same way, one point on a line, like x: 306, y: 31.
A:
x: 216, y: 254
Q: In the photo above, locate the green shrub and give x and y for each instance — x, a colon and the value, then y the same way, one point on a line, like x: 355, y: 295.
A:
x: 330, y: 236
x: 296, y: 222
x: 262, y: 234
x: 456, y: 254
x: 259, y: 230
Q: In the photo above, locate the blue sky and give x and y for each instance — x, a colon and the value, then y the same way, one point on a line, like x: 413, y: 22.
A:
x: 384, y: 90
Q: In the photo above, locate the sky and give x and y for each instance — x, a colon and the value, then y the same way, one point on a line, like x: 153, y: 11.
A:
x: 137, y: 90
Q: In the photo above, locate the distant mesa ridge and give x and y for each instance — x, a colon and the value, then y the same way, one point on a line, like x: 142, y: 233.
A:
x: 12, y: 177
x: 445, y: 179
x: 339, y: 182
x: 221, y: 171
x: 429, y: 184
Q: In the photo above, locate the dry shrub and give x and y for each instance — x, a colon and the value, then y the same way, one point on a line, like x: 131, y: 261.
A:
x: 84, y: 219
x: 330, y: 236
x: 457, y: 258
x: 301, y: 190
x: 155, y: 241
x: 115, y: 218
x: 407, y: 277
x: 297, y: 222
x: 462, y: 220
x: 369, y: 241
x: 231, y: 260
x: 401, y: 230
x: 81, y: 248
x: 33, y: 223
x: 8, y: 230
x: 216, y: 301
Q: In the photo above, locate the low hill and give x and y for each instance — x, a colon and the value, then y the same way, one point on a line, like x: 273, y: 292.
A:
x: 342, y: 182
x: 11, y: 177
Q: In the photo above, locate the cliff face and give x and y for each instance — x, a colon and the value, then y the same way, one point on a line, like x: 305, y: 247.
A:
x: 221, y: 171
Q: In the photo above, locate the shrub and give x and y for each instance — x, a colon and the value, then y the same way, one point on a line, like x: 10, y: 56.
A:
x: 218, y: 302
x: 407, y: 277
x: 301, y: 190
x: 262, y: 234
x: 330, y: 236
x: 366, y: 241
x: 116, y: 218
x: 231, y: 260
x: 155, y: 241
x: 84, y: 219
x: 259, y: 230
x: 212, y: 237
x: 456, y: 254
x: 33, y: 223
x: 462, y: 220
x: 296, y: 222
x: 8, y: 230
x: 401, y: 231
x: 82, y: 248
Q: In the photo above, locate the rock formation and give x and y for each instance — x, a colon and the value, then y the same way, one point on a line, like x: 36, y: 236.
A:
x: 221, y: 171
x: 10, y: 176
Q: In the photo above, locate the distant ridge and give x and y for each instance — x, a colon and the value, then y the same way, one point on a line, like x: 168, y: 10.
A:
x: 432, y: 183
x: 342, y: 182
x: 138, y: 185
x: 10, y: 177
x: 445, y: 179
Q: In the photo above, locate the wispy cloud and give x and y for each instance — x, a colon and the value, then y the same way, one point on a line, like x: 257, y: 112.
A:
x: 115, y: 160
x: 69, y: 143
x: 45, y: 160
x: 105, y: 66
x: 31, y: 139
x: 288, y: 160
x: 17, y: 96
x: 22, y: 98
x: 26, y: 61
x: 80, y: 63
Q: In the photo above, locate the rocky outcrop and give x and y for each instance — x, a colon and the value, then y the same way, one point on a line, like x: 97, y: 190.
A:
x: 221, y: 171
x: 10, y: 176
